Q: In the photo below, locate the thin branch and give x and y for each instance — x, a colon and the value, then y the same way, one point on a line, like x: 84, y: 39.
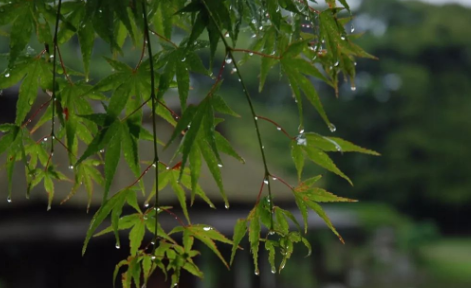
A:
x: 277, y: 126
x: 54, y: 64
x: 135, y: 110
x: 63, y: 66
x: 143, y: 52
x: 282, y: 181
x: 154, y: 108
x: 30, y: 119
x: 140, y: 177
x: 229, y: 50
x: 163, y: 38
x: 255, y: 53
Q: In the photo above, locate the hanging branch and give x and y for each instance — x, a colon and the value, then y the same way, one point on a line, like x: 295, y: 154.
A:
x: 154, y: 108
x: 229, y: 51
x: 54, y: 98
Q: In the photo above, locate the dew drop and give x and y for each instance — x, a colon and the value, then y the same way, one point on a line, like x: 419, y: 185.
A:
x: 336, y: 63
x: 45, y: 139
x: 153, y: 257
x: 220, y: 165
x: 227, y: 206
x: 183, y: 59
x: 254, y: 36
x: 256, y: 118
x: 273, y: 270
x: 51, y: 56
x: 301, y: 141
x: 228, y: 60
x: 9, y: 199
x: 278, y: 128
x: 342, y: 38
x: 271, y: 232
x: 146, y: 204
x: 257, y: 272
x: 228, y: 35
x: 263, y: 146
x: 352, y: 29
x: 251, y: 54
x: 301, y: 131
x: 48, y: 207
x: 265, y: 181
x: 7, y: 75
x: 117, y: 246
x: 355, y: 63
x: 71, y: 167
x: 274, y: 178
x: 354, y: 88
x: 234, y: 70
x: 332, y: 127
x: 102, y: 151
x: 260, y: 28
x: 254, y: 21
x: 207, y: 228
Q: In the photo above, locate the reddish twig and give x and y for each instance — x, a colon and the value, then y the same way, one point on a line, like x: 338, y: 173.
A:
x: 163, y: 38
x: 277, y: 126
x: 261, y: 190
x: 174, y: 215
x: 140, y: 177
x: 30, y: 119
x: 256, y: 53
x: 63, y: 66
x: 143, y: 51
x: 282, y: 181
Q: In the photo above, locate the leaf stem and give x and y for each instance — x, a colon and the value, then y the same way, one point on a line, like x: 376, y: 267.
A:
x: 154, y: 108
x: 163, y: 38
x: 255, y: 53
x: 277, y: 126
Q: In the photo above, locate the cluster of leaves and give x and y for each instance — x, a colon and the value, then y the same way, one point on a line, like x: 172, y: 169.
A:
x: 303, y: 41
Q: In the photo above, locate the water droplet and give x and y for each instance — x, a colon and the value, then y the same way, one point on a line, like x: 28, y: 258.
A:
x: 157, y: 209
x: 227, y: 206
x: 301, y: 131
x: 273, y: 270
x: 101, y: 11
x: 274, y: 178
x: 250, y: 53
x: 48, y: 207
x: 7, y: 75
x: 9, y: 199
x: 146, y: 204
x: 220, y: 165
x: 336, y: 63
x: 263, y: 146
x: 254, y: 36
x: 355, y: 63
x: 207, y: 228
x: 234, y: 70
x: 354, y: 88
x: 265, y: 181
x: 282, y: 266
x: 257, y: 272
x: 260, y: 28
x: 332, y: 127
x: 175, y: 285
x: 45, y: 139
x: 342, y: 38
x: 102, y: 151
x: 71, y: 167
x: 352, y: 29
x: 300, y: 140
x: 53, y: 137
x: 117, y: 246
x: 271, y: 232
x: 278, y: 128
x: 51, y: 56
x: 183, y: 59
x: 228, y: 60
x: 254, y: 21
x: 256, y: 118
x: 87, y: 79
x: 228, y: 35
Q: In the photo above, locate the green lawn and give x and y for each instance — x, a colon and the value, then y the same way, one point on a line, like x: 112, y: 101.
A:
x: 448, y: 259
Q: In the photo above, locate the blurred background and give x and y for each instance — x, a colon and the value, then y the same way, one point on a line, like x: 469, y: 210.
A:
x: 411, y: 227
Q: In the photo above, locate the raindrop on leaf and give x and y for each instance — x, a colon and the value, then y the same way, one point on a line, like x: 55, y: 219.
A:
x: 332, y: 127
x: 9, y: 199
x: 228, y: 60
x: 257, y: 272
x: 207, y: 228
x: 117, y: 246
